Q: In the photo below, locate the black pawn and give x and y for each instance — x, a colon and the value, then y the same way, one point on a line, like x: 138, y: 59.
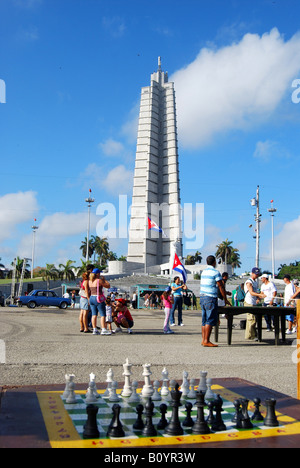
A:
x: 218, y: 425
x: 200, y: 426
x: 115, y: 428
x: 188, y: 422
x: 237, y: 415
x: 163, y: 421
x: 271, y: 419
x: 91, y: 430
x: 174, y: 427
x: 149, y: 429
x: 211, y: 418
x: 139, y: 423
x: 257, y: 416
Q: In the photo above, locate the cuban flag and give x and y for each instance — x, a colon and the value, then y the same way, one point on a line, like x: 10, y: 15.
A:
x: 154, y: 227
x: 177, y: 266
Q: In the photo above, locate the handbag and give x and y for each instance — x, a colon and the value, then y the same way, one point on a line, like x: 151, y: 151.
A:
x: 100, y: 297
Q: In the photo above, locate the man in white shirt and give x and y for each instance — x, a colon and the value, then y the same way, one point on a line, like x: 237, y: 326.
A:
x: 270, y: 292
x: 252, y: 295
x: 288, y: 293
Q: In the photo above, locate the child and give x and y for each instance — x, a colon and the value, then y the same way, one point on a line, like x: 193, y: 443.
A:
x: 122, y: 317
x: 109, y: 308
x: 168, y: 301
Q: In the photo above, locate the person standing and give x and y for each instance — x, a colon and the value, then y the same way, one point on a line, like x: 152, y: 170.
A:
x: 167, y: 300
x: 177, y: 288
x: 289, y: 292
x: 95, y: 287
x: 210, y: 284
x: 251, y: 298
x: 269, y: 290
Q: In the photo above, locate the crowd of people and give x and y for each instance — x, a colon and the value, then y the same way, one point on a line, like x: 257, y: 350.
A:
x: 114, y: 311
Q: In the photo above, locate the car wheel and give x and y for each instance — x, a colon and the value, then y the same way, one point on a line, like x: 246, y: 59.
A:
x: 31, y: 305
x: 20, y: 304
x: 64, y: 305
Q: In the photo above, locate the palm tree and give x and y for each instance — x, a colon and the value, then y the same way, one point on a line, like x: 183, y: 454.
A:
x: 19, y: 266
x: 83, y: 248
x: 224, y: 251
x: 234, y: 260
x: 66, y: 271
x: 101, y: 247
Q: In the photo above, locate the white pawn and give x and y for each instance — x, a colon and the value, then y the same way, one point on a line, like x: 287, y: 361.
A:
x: 109, y: 380
x: 71, y: 398
x: 134, y: 396
x: 209, y: 395
x: 90, y: 398
x: 165, y: 385
x: 192, y: 393
x: 156, y: 396
x: 113, y: 395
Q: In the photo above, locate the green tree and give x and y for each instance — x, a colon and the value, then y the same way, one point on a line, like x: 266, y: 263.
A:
x: 66, y: 271
x: 83, y: 247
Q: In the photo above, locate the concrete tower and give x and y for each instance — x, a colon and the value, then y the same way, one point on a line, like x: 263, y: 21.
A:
x: 156, y: 190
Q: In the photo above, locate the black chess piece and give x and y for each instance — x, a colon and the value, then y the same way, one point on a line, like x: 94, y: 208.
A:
x: 91, y: 430
x: 174, y: 427
x: 149, y: 429
x: 139, y: 423
x: 188, y: 422
x: 115, y: 428
x: 245, y: 419
x: 218, y: 425
x: 237, y: 415
x: 257, y: 416
x: 200, y: 426
x: 211, y: 418
x: 271, y: 419
x: 163, y: 421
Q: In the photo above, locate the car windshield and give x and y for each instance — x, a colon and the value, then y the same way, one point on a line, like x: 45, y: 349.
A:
x: 31, y: 293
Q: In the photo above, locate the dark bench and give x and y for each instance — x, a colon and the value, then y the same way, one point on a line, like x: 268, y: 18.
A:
x: 279, y: 314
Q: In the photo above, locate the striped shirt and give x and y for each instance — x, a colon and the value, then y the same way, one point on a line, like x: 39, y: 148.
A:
x: 209, y: 279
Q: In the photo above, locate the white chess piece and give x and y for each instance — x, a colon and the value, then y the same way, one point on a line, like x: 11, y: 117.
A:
x: 165, y: 385
x: 109, y: 380
x: 71, y: 398
x: 156, y: 396
x: 185, y: 385
x: 67, y: 389
x: 127, y: 389
x: 113, y: 395
x: 202, y: 383
x: 93, y: 385
x: 147, y: 390
x: 209, y: 395
x: 134, y: 396
x: 192, y: 392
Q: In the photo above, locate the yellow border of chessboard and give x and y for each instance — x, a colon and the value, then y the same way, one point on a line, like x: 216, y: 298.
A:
x: 62, y: 433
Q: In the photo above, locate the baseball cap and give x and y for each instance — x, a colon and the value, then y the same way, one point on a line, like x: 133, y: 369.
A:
x: 96, y: 271
x: 256, y: 271
x: 265, y: 276
x: 168, y: 289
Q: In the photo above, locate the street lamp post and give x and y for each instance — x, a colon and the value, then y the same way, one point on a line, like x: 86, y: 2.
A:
x: 34, y: 229
x: 89, y: 202
x: 272, y: 210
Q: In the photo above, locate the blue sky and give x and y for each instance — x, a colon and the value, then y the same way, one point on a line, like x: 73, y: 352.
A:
x: 73, y: 71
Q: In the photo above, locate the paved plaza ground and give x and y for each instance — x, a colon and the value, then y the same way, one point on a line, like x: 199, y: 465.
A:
x: 42, y: 345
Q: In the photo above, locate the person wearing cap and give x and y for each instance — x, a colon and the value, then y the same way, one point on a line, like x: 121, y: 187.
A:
x: 251, y: 298
x: 168, y: 300
x: 269, y: 290
x: 94, y: 292
x: 122, y: 317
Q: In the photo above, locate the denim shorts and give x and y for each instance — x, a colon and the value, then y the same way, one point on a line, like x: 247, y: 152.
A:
x: 209, y: 307
x: 96, y: 307
x: 84, y: 303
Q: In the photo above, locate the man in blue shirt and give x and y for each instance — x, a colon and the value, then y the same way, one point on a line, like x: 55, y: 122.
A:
x: 211, y: 283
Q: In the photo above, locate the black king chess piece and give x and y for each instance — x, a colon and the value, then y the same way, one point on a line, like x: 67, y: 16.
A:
x: 200, y: 426
x: 174, y: 427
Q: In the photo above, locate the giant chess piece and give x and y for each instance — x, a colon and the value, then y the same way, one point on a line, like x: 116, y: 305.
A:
x: 149, y: 429
x: 139, y: 423
x: 218, y: 425
x: 257, y: 416
x: 91, y: 430
x: 245, y: 421
x: 271, y: 419
x: 147, y: 390
x: 163, y: 420
x: 127, y: 389
x: 200, y: 426
x: 71, y: 398
x: 174, y: 427
x: 188, y: 422
x: 115, y: 428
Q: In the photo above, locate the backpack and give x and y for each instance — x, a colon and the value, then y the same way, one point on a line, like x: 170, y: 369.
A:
x: 240, y: 295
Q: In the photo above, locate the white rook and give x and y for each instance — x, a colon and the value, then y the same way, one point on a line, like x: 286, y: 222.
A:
x: 156, y: 188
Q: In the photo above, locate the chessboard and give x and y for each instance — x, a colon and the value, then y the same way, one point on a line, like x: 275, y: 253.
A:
x: 66, y: 422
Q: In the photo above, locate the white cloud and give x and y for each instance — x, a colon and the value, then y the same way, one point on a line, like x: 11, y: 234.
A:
x: 111, y: 147
x: 234, y: 87
x: 269, y: 150
x: 286, y: 243
x: 118, y: 180
x: 16, y: 209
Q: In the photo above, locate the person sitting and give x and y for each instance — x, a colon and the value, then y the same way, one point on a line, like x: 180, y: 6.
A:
x: 122, y: 317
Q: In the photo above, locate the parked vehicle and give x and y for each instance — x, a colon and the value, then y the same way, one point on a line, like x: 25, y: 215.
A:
x: 40, y: 297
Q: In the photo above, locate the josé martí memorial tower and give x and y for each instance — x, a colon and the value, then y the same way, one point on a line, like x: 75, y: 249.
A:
x: 156, y: 187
